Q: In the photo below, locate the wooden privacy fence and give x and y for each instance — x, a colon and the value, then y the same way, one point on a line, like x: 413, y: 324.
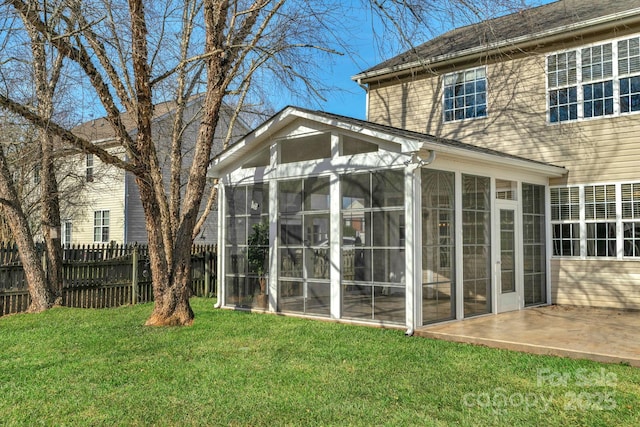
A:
x: 99, y: 276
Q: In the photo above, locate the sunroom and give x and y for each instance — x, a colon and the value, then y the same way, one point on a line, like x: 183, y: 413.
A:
x: 332, y: 217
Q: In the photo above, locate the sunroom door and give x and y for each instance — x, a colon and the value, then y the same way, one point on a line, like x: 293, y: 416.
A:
x: 507, y: 243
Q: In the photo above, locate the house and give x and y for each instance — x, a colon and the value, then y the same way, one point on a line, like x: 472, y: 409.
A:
x: 496, y: 170
x: 106, y: 205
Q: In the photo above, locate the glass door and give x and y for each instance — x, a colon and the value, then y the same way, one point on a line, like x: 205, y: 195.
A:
x: 507, y: 272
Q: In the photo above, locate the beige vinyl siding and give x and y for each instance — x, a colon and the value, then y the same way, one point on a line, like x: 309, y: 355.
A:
x: 593, y: 150
x: 596, y: 283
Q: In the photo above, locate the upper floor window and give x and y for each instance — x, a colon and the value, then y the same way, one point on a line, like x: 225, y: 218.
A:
x: 89, y: 167
x: 628, y: 65
x: 594, y: 81
x: 465, y: 94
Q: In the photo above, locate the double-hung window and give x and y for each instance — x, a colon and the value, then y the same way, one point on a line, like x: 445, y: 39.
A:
x: 600, y: 220
x: 597, y: 87
x: 465, y: 94
x: 89, y: 167
x: 67, y: 228
x: 565, y: 221
x: 594, y: 81
x: 629, y: 70
x: 563, y: 89
x: 597, y: 220
x: 630, y: 195
x: 101, y: 226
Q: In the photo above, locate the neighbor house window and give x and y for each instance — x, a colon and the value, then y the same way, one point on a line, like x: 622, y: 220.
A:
x: 101, y: 226
x: 594, y: 81
x: 89, y: 167
x: 67, y: 227
x: 465, y: 94
x: 599, y: 210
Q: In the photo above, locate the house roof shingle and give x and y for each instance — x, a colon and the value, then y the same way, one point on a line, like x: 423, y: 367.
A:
x: 100, y: 129
x: 559, y: 15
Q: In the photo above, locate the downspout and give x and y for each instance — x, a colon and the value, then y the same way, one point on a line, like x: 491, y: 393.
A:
x: 366, y: 101
x: 415, y: 161
x: 430, y: 159
x: 412, y: 164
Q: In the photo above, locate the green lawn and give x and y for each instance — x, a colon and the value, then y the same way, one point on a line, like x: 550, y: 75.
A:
x: 103, y: 367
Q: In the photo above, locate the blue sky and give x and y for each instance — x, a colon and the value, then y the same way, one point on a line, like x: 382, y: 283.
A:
x: 350, y: 98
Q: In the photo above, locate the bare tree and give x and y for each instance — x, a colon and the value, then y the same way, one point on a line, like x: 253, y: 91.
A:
x: 127, y: 53
x: 46, y: 77
x: 36, y: 154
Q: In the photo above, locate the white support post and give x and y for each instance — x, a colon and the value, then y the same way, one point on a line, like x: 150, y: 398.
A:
x: 412, y: 250
x: 335, y: 234
x: 222, y: 251
x: 273, y: 233
x: 459, y: 250
x: 335, y: 247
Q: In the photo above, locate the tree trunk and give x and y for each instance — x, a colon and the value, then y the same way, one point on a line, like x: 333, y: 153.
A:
x: 51, y: 218
x: 41, y: 298
x: 172, y: 289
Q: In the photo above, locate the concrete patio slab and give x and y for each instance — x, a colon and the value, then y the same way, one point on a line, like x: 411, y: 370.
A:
x: 603, y: 335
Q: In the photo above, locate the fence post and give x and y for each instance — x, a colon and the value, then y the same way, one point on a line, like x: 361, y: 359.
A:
x: 134, y: 274
x: 207, y: 273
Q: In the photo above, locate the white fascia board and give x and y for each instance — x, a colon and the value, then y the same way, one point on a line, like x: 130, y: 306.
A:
x: 540, y: 37
x: 495, y: 159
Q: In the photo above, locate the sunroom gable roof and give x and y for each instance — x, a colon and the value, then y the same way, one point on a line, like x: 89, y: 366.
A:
x: 408, y: 141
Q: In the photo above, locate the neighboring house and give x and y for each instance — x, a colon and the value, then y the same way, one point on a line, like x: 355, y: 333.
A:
x: 106, y: 207
x: 497, y: 169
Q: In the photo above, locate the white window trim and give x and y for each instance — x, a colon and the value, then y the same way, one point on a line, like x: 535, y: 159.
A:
x: 486, y: 91
x: 67, y: 226
x: 619, y: 221
x: 101, y: 226
x: 579, y: 81
x: 89, y: 167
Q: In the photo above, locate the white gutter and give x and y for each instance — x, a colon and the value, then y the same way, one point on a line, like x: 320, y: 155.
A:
x: 543, y: 36
x: 549, y: 170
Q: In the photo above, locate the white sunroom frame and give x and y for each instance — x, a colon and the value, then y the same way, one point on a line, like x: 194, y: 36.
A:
x: 397, y: 149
